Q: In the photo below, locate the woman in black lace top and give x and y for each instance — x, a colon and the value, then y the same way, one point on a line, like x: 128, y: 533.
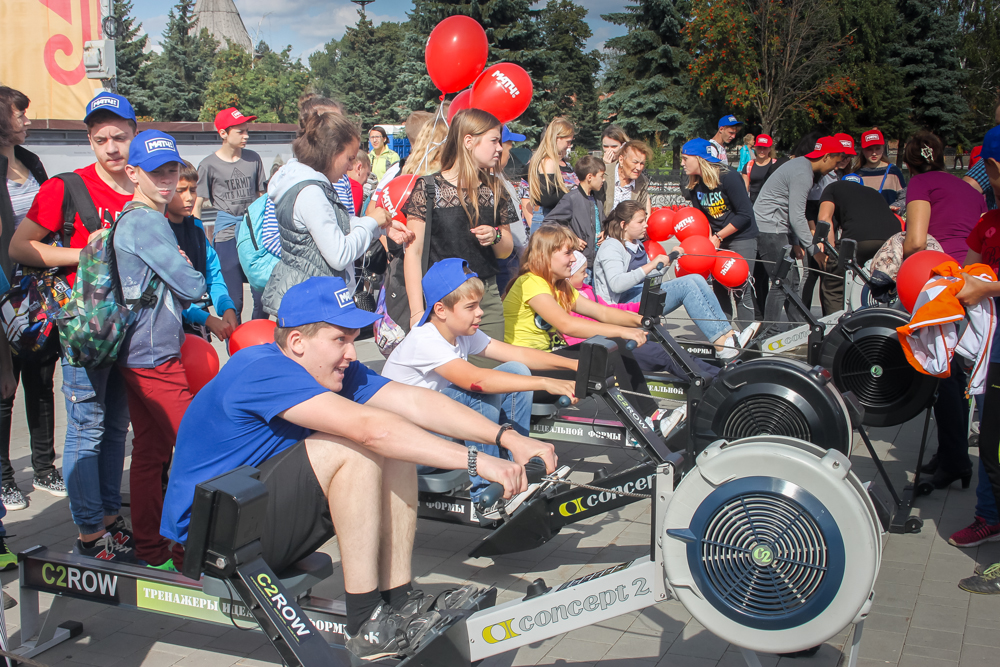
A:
x: 471, y: 216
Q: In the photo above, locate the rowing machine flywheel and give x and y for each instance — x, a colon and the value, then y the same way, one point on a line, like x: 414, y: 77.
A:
x: 773, y: 396
x: 864, y: 356
x: 772, y: 543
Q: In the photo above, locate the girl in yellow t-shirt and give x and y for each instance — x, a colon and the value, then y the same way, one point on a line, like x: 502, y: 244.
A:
x: 539, y: 302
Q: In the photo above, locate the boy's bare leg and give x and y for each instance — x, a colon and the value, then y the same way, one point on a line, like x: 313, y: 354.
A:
x: 351, y: 476
x: 399, y: 523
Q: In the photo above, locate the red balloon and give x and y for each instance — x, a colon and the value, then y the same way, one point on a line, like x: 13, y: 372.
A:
x: 503, y: 90
x: 661, y: 224
x: 653, y: 248
x: 461, y: 101
x: 395, y: 194
x: 699, y: 255
x: 690, y: 222
x: 730, y: 269
x: 456, y: 53
x: 915, y: 272
x: 679, y: 271
x: 200, y: 361
x: 248, y: 334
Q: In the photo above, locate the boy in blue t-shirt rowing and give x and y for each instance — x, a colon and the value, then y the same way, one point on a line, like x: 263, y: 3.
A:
x: 336, y: 445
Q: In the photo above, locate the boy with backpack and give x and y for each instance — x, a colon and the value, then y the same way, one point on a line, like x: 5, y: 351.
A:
x: 435, y: 355
x: 74, y: 207
x: 578, y: 209
x: 231, y: 179
x: 146, y: 254
x: 192, y: 241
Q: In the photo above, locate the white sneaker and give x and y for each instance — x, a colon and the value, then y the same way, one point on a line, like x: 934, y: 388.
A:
x: 670, y: 423
x: 747, y: 334
x: 729, y: 349
x: 509, y: 506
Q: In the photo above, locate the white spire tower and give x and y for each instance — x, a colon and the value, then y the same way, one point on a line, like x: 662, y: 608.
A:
x: 223, y: 22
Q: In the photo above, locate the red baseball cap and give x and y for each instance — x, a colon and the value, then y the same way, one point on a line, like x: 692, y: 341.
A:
x: 764, y: 140
x: 847, y: 141
x: 825, y: 146
x: 872, y: 138
x: 229, y: 117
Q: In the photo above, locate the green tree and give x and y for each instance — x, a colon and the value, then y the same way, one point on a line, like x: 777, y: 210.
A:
x: 362, y: 71
x: 129, y: 56
x: 570, y: 83
x: 514, y: 35
x: 176, y: 78
x: 926, y: 55
x: 770, y: 59
x: 267, y: 86
x: 979, y: 50
x: 648, y: 89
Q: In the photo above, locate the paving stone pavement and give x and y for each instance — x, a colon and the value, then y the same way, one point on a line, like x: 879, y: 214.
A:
x: 920, y: 617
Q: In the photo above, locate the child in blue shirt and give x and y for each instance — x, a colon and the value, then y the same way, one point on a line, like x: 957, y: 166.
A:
x: 194, y: 244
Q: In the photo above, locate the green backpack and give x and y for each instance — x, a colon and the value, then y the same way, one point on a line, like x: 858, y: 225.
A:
x: 93, y: 324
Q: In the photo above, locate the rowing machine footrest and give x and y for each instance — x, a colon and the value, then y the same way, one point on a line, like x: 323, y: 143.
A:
x: 544, y: 409
x: 297, y: 578
x: 444, y: 481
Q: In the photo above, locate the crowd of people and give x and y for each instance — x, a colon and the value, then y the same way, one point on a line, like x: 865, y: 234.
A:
x: 502, y: 269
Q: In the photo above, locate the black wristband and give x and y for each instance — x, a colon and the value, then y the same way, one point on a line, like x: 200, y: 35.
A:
x: 498, y: 236
x: 503, y: 429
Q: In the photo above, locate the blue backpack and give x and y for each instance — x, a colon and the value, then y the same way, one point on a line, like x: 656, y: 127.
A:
x: 257, y: 261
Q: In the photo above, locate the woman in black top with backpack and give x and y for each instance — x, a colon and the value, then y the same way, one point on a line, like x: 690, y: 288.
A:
x: 470, y: 215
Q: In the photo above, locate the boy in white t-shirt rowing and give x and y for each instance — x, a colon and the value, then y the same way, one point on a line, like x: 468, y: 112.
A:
x: 435, y: 354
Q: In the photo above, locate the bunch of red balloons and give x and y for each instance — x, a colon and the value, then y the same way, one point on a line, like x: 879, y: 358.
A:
x: 690, y: 226
x: 456, y: 55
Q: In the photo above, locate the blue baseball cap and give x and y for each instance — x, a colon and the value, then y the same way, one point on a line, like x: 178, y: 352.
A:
x: 442, y: 279
x: 729, y: 121
x: 853, y: 178
x: 322, y: 299
x: 116, y: 104
x: 991, y: 145
x: 151, y: 149
x: 507, y: 135
x: 702, y: 148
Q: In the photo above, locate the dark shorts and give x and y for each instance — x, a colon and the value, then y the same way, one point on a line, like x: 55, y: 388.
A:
x: 298, y: 518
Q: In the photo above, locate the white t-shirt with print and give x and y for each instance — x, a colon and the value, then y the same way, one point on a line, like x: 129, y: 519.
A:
x: 424, y: 350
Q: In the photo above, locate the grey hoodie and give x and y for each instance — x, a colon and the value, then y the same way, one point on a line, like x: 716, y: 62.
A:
x: 145, y: 245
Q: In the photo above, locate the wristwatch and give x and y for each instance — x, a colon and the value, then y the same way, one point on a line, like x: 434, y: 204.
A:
x: 473, y: 455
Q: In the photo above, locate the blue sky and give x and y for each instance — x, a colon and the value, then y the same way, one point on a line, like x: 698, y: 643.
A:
x: 308, y: 24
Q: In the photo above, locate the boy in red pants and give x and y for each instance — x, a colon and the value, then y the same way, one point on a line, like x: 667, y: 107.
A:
x: 154, y: 271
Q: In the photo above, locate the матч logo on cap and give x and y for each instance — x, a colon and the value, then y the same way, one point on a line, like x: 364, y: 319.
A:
x: 344, y: 298
x: 104, y: 102
x: 159, y: 144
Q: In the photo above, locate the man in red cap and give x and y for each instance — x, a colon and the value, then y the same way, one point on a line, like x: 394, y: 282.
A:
x: 231, y: 178
x: 780, y: 210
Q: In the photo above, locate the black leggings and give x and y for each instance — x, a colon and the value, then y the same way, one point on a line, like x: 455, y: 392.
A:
x: 989, y: 429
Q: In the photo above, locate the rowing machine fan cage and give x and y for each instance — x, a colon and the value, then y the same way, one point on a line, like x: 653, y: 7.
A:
x: 864, y: 356
x: 772, y: 543
x: 773, y: 396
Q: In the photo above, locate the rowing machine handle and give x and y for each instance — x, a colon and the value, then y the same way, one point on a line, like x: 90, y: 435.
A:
x: 563, y: 402
x: 533, y: 469
x: 631, y: 345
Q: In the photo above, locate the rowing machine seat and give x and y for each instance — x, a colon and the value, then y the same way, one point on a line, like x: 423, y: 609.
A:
x: 443, y: 481
x: 298, y: 578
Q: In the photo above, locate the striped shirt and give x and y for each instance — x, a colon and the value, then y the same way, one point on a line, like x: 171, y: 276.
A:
x: 21, y: 196
x: 270, y: 235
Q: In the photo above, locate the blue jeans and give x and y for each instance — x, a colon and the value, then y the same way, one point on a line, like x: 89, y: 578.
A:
x: 94, y: 454
x: 986, y: 503
x: 514, y: 408
x: 693, y: 292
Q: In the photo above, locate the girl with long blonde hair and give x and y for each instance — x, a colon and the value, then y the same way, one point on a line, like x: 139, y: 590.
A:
x: 471, y: 214
x: 721, y: 195
x: 549, y: 174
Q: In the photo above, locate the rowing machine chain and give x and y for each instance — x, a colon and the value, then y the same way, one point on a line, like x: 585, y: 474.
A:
x: 590, y: 487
